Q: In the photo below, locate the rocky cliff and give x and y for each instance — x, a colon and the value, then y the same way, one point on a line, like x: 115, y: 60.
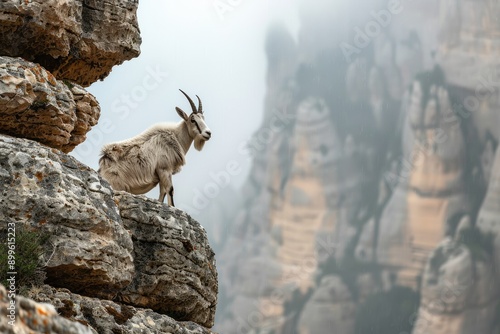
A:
x: 106, y: 246
x: 84, y: 258
x: 372, y: 208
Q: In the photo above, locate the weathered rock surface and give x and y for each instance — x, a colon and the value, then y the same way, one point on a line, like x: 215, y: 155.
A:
x: 34, y: 105
x: 71, y: 313
x: 459, y: 288
x: 174, y: 263
x: 77, y: 40
x: 31, y: 317
x: 330, y: 307
x: 89, y: 250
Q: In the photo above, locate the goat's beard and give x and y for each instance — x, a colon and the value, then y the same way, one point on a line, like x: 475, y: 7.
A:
x: 199, y: 143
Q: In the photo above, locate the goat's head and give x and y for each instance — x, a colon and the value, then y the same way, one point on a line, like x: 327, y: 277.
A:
x: 198, y: 129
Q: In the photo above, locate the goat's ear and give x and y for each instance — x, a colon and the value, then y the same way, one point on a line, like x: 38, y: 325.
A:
x: 182, y: 114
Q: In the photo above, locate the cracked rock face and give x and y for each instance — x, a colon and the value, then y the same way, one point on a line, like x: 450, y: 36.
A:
x: 77, y: 40
x: 89, y: 251
x: 34, y: 105
x: 174, y: 263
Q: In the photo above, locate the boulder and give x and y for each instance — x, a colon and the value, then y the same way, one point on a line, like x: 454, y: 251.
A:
x: 77, y: 40
x: 89, y: 250
x: 174, y: 263
x: 35, y: 105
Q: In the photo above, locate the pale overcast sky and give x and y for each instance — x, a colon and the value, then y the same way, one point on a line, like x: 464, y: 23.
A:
x: 190, y: 45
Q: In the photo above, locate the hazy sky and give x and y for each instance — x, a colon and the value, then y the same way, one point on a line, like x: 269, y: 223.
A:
x: 218, y: 55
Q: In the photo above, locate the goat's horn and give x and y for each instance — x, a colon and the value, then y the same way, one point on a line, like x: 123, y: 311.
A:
x: 193, y: 107
x: 200, y: 106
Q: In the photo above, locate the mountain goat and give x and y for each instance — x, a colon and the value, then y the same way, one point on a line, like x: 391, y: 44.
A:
x: 138, y: 164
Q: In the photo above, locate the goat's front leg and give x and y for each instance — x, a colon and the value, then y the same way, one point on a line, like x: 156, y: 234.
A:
x: 166, y: 186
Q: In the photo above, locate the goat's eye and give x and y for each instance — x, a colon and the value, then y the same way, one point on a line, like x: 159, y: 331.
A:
x: 192, y: 120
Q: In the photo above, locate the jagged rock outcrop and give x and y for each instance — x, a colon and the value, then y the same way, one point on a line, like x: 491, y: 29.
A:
x: 107, y: 317
x: 58, y: 311
x: 76, y: 40
x: 89, y: 250
x: 174, y: 264
x: 27, y: 316
x: 35, y: 105
x: 331, y: 306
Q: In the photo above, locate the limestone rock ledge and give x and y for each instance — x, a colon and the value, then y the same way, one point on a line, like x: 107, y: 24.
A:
x: 77, y: 40
x: 58, y: 311
x: 35, y: 105
x: 174, y: 263
x: 89, y: 250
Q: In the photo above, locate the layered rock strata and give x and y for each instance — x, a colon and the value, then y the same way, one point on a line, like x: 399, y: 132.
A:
x: 35, y: 105
x: 76, y: 40
x: 430, y: 181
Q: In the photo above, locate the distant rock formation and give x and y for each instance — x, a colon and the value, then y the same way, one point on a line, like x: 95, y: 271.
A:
x: 460, y: 291
x: 430, y: 182
x: 382, y: 184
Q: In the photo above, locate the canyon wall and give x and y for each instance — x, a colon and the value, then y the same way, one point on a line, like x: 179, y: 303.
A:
x: 372, y: 205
